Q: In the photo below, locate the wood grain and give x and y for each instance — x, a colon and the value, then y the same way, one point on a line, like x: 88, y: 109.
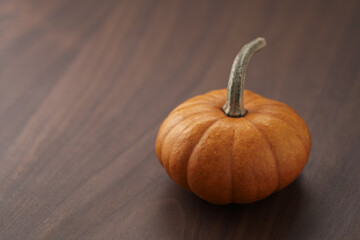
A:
x: 85, y: 85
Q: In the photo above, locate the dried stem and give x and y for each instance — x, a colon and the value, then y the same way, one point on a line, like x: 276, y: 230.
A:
x: 234, y: 105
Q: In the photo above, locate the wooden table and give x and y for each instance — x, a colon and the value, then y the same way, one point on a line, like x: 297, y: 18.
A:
x: 85, y: 85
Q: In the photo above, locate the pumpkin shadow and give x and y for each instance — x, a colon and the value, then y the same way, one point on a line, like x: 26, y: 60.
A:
x: 271, y: 217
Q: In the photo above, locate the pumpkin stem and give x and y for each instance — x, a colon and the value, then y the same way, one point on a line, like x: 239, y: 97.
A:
x: 234, y: 105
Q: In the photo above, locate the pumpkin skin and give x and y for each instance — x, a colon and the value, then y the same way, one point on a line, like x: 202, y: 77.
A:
x: 224, y: 159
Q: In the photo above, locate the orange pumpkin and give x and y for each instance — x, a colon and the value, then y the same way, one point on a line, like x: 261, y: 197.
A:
x: 233, y: 146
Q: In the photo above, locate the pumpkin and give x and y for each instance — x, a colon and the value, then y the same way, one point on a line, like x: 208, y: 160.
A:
x: 233, y: 146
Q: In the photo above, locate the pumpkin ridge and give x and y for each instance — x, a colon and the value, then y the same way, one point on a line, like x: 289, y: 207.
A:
x: 172, y: 127
x: 271, y: 150
x: 277, y: 117
x: 298, y: 130
x: 192, y: 150
x: 172, y: 150
x: 175, y: 125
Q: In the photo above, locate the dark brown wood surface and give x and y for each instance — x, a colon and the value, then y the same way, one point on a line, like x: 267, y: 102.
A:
x: 85, y: 85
